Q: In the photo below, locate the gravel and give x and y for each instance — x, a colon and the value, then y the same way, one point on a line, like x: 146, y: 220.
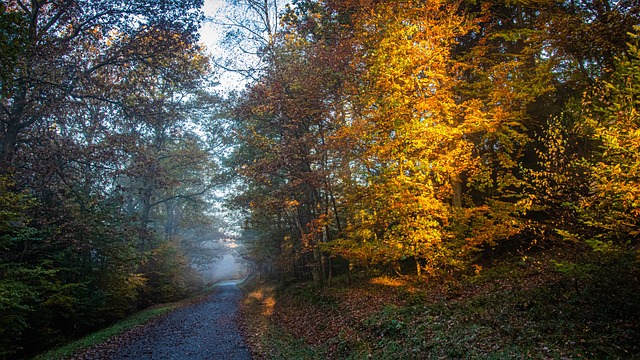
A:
x: 205, y: 330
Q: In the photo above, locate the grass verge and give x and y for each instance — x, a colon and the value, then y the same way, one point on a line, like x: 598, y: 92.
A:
x: 514, y: 310
x: 265, y: 338
x: 103, y: 335
x: 139, y: 318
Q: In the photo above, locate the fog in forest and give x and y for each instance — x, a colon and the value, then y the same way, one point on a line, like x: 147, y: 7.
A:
x: 231, y: 266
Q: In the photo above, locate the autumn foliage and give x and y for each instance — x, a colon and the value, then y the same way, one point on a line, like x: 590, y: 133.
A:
x: 425, y: 134
x: 408, y: 137
x: 102, y: 175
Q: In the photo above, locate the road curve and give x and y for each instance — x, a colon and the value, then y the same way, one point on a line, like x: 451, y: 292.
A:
x: 205, y: 330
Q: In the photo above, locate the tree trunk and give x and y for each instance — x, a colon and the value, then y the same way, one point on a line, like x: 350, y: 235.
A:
x: 171, y: 220
x: 9, y: 142
x: 144, y: 217
x: 456, y: 184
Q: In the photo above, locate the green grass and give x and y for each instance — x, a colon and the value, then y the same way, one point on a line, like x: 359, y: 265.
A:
x: 549, y: 322
x: 283, y: 345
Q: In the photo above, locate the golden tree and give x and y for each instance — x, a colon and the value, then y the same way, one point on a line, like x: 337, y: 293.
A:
x: 410, y: 132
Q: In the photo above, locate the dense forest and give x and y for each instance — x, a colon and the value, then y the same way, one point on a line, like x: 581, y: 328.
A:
x: 429, y: 136
x: 107, y: 160
x: 418, y: 138
x: 483, y: 154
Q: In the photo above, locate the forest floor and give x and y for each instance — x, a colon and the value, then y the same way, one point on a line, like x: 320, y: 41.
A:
x: 204, y: 328
x: 529, y: 307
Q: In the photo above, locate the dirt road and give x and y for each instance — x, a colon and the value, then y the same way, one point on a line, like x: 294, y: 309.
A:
x: 205, y: 330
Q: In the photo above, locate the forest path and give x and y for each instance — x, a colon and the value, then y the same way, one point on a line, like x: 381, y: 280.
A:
x: 207, y: 329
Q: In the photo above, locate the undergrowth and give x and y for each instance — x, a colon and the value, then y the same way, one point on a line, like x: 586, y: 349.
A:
x: 103, y: 335
x: 525, y: 308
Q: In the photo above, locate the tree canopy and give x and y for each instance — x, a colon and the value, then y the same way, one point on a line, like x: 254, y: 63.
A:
x: 433, y: 133
x: 422, y: 137
x: 105, y: 173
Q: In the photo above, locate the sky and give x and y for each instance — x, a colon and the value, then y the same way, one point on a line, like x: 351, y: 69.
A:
x: 210, y: 36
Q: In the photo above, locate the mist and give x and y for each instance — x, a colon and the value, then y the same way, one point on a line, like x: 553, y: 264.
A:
x: 230, y: 267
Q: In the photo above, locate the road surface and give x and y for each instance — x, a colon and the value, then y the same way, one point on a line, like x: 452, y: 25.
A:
x: 205, y: 330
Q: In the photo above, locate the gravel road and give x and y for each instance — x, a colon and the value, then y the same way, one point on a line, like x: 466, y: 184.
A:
x: 205, y: 330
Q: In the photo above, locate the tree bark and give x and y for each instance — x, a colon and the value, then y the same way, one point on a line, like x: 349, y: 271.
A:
x: 456, y: 184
